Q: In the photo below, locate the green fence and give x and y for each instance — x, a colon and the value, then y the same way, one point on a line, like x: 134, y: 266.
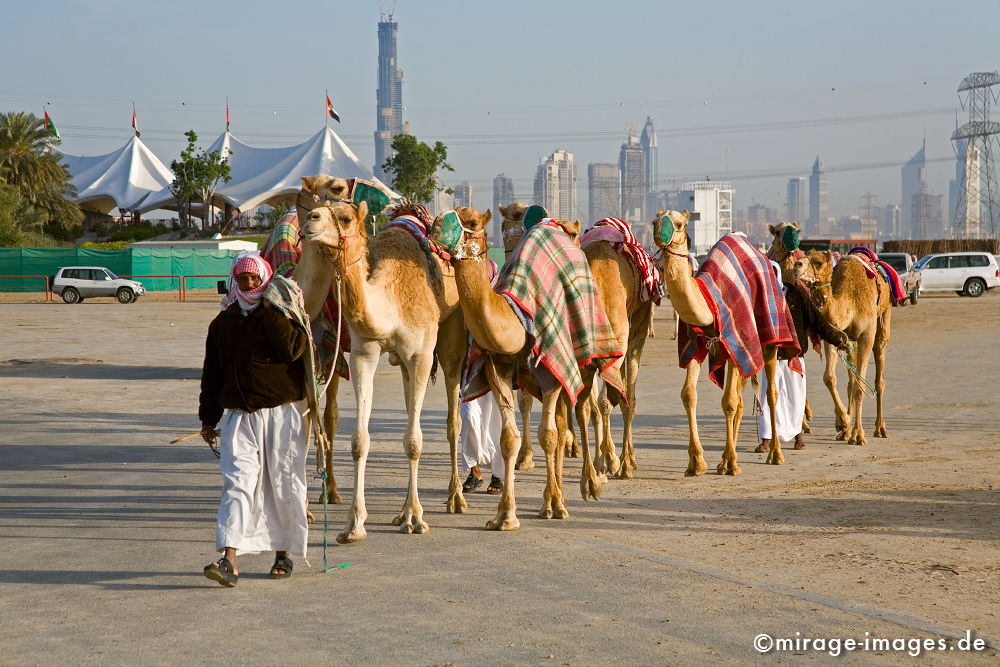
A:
x: 130, y: 262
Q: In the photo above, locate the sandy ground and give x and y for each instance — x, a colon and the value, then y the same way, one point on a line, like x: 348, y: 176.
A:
x: 104, y: 527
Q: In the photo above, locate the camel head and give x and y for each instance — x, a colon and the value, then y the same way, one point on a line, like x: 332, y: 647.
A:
x: 318, y: 191
x: 784, y: 243
x: 462, y: 232
x: 329, y: 226
x: 670, y: 230
x: 816, y: 268
x: 572, y: 229
x: 512, y: 226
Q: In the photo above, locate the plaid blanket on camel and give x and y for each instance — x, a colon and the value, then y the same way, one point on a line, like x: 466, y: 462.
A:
x: 282, y: 252
x: 548, y: 283
x: 749, y: 309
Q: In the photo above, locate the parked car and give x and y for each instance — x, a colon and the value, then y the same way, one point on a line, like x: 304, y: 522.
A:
x: 75, y: 283
x: 903, y: 262
x: 965, y: 273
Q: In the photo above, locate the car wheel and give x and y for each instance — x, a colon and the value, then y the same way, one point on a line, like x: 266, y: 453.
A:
x: 975, y: 287
x: 913, y: 296
x: 125, y: 295
x: 70, y: 295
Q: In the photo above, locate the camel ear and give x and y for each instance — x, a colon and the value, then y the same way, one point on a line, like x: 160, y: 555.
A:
x: 308, y: 183
x: 362, y: 212
x: 503, y: 210
x: 771, y: 229
x: 487, y: 216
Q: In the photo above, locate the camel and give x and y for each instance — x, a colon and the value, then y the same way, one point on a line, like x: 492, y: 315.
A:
x: 498, y: 330
x: 511, y: 231
x: 670, y: 234
x: 620, y: 284
x: 861, y: 306
x: 396, y: 299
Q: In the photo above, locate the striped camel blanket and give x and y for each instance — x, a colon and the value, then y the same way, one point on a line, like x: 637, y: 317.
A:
x: 548, y: 283
x: 873, y: 266
x: 749, y: 309
x: 282, y: 252
x: 619, y: 234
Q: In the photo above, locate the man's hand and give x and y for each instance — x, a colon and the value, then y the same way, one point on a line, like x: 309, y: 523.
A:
x: 208, y: 433
x: 843, y: 342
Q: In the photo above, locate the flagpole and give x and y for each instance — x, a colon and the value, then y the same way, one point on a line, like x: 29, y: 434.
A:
x: 326, y: 108
x: 227, y: 113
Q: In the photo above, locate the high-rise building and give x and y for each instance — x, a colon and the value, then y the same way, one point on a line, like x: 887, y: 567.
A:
x: 632, y: 163
x: 890, y: 222
x: 819, y: 207
x: 555, y: 185
x: 462, y: 194
x: 389, y: 96
x: 914, y: 180
x: 503, y: 195
x: 652, y: 165
x: 795, y: 201
x: 926, y: 218
x: 603, y: 182
x: 710, y: 204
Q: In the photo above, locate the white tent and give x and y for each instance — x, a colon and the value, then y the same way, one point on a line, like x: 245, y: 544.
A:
x: 122, y: 179
x: 260, y: 175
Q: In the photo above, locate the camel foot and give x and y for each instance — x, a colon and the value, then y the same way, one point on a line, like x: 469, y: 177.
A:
x: 696, y: 468
x: 590, y: 487
x: 503, y: 521
x: 800, y: 442
x: 525, y: 464
x: 880, y: 432
x: 806, y: 428
x: 842, y: 435
x: 332, y: 497
x: 726, y: 468
x: 456, y: 503
x: 609, y: 463
x: 763, y: 447
x: 775, y: 457
x: 859, y: 440
x: 410, y: 523
x: 558, y: 512
x: 624, y: 472
x: 573, y: 451
x: 352, y: 536
x: 309, y: 517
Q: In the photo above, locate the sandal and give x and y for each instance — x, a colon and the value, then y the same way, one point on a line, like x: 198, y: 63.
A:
x: 496, y: 485
x: 283, y: 563
x: 471, y: 483
x: 223, y: 572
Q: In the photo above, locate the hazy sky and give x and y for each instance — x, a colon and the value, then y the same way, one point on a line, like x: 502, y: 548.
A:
x: 751, y: 91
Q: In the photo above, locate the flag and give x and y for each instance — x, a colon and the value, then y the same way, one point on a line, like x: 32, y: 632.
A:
x: 135, y: 124
x: 50, y: 125
x: 227, y: 116
x: 330, y: 110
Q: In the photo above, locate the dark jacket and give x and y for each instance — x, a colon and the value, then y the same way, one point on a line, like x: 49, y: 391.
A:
x: 251, y: 362
x: 809, y: 321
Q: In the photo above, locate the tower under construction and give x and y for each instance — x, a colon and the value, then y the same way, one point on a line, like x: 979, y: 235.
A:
x: 978, y: 208
x: 389, y: 96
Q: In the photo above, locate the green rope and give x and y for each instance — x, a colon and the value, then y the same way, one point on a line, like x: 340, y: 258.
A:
x: 857, y: 374
x: 326, y: 563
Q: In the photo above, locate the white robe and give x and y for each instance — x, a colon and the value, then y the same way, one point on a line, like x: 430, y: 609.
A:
x: 791, y: 405
x: 263, y: 464
x: 481, y: 424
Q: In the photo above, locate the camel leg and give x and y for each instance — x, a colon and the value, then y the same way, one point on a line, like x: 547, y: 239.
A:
x: 363, y: 363
x: 856, y: 433
x: 677, y: 325
x: 451, y: 349
x: 548, y: 437
x: 501, y: 380
x: 881, y: 341
x: 830, y: 380
x: 416, y: 375
x: 331, y: 419
x: 730, y: 408
x: 590, y: 481
x: 806, y: 418
x: 689, y: 397
x: 606, y: 461
x: 566, y: 432
x: 774, y: 456
x: 628, y: 412
x: 524, y: 459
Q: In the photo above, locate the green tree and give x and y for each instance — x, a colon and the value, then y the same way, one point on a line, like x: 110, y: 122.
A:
x: 20, y: 223
x: 28, y: 163
x: 268, y: 219
x: 415, y: 166
x: 196, y: 178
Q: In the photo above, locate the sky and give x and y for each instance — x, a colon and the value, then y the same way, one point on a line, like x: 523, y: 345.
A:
x: 750, y: 91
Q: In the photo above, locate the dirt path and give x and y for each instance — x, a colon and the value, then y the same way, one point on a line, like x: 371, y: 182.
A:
x: 104, y: 527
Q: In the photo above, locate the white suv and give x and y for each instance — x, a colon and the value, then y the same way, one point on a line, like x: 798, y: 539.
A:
x: 965, y: 273
x: 75, y: 283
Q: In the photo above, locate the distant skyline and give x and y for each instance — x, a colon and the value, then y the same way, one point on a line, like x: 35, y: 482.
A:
x: 505, y: 85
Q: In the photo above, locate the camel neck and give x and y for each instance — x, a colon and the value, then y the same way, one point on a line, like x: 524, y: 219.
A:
x: 488, y: 316
x: 685, y: 295
x: 354, y: 274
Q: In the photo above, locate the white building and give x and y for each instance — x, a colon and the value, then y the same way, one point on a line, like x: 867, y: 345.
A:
x: 711, y: 206
x: 555, y: 185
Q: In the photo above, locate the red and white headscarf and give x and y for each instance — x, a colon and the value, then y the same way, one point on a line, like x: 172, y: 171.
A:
x: 249, y: 299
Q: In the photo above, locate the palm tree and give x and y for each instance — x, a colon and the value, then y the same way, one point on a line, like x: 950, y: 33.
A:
x: 27, y: 163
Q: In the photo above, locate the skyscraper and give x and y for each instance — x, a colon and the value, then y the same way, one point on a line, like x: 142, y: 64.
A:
x: 819, y: 208
x: 632, y: 163
x: 503, y: 195
x: 651, y: 159
x: 463, y: 194
x: 389, y: 96
x: 555, y: 185
x: 795, y: 201
x: 925, y: 215
x: 914, y: 180
x: 603, y: 181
